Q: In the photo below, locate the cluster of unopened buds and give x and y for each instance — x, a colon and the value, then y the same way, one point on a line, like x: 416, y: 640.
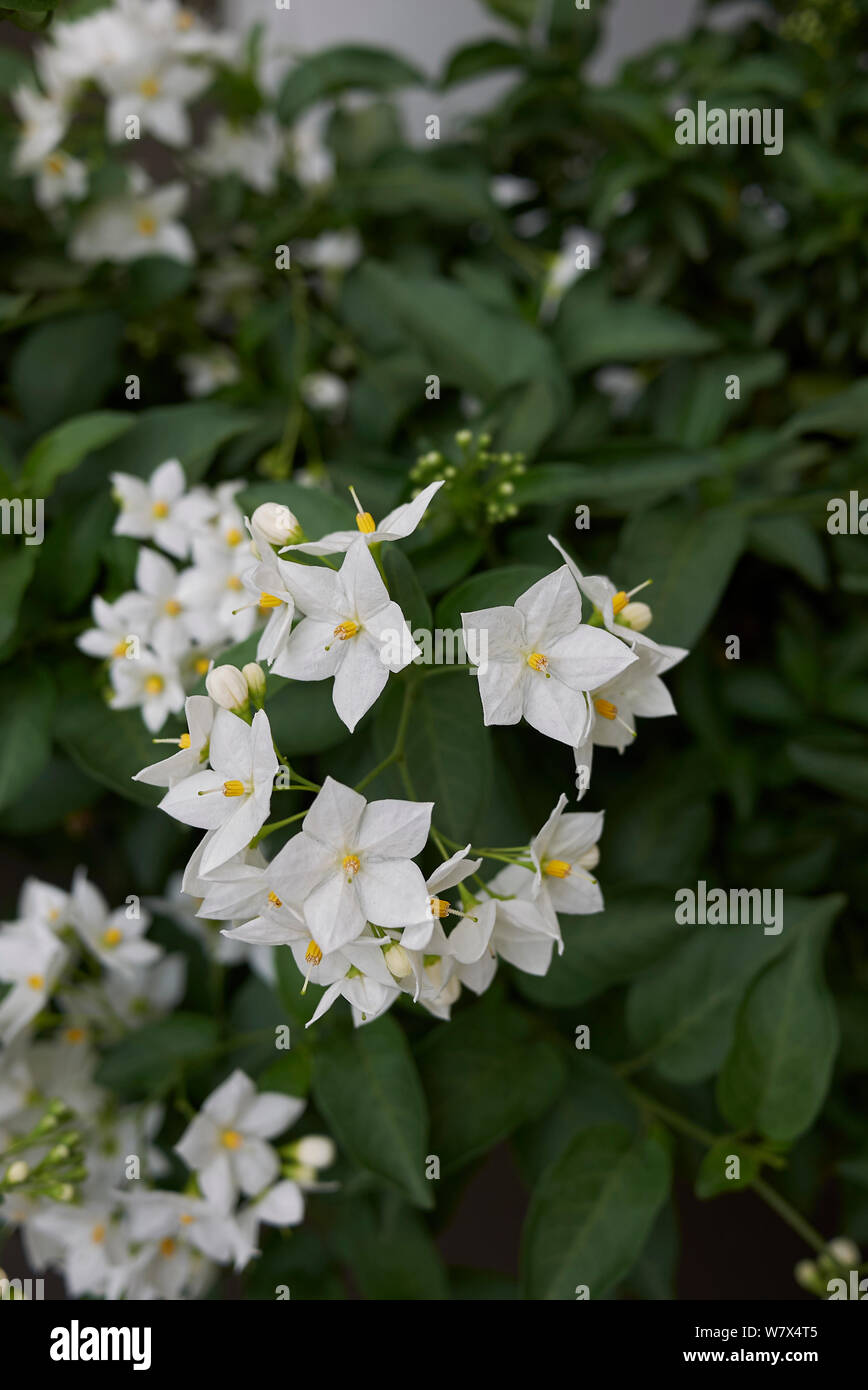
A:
x: 836, y: 1273
x: 344, y: 893
x: 479, y: 481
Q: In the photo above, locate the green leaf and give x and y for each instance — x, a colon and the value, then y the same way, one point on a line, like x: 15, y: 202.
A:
x: 691, y: 402
x: 593, y: 329
x: 27, y: 700
x: 779, y: 1068
x: 593, y: 1095
x: 689, y: 555
x: 442, y: 563
x: 368, y: 1089
x: 842, y: 772
x: 150, y: 1059
x: 484, y: 1075
x: 844, y: 414
x: 682, y: 1012
x: 711, y: 1179
x: 66, y: 366
x: 65, y: 447
x: 341, y: 68
x: 448, y: 753
x: 487, y: 590
x: 520, y: 12
x: 477, y: 59
x: 389, y: 1251
x: 109, y: 745
x: 402, y: 183
x: 191, y: 433
x: 591, y: 1213
x: 467, y: 345
x: 636, y: 929
x: 405, y: 589
x: 16, y: 572
x: 613, y: 478
x: 790, y: 541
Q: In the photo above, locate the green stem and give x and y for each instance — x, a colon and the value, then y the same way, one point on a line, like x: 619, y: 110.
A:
x: 275, y: 825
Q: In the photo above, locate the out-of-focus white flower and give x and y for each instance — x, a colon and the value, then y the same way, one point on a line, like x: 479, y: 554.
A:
x: 207, y: 372
x: 115, y: 938
x: 135, y: 224
x: 161, y: 509
x: 507, y: 190
x: 253, y: 152
x: 332, y: 251
x: 59, y: 177
x: 44, y: 122
x: 151, y: 683
x: 116, y: 625
x: 154, y: 87
x: 31, y: 959
x: 324, y: 391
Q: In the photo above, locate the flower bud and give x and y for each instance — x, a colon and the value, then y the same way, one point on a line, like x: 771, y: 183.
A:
x: 227, y: 688
x: 463, y: 438
x: 397, y: 961
x: 315, y: 1151
x: 277, y: 523
x: 255, y: 678
x: 636, y: 615
x: 805, y: 1274
x: 62, y: 1192
x: 58, y: 1154
x: 845, y: 1251
x: 17, y: 1172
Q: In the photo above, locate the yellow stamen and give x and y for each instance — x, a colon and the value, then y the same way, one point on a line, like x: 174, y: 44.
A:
x: 167, y: 1247
x: 159, y: 509
x: 55, y: 164
x: 365, y: 523
x: 269, y: 601
x: 274, y: 900
x: 97, y: 1235
x: 606, y: 709
x: 149, y: 87
x: 184, y: 741
x: 556, y: 868
x: 350, y: 865
x: 619, y: 601
x: 146, y: 225
x: 439, y: 907
x: 113, y: 937
x: 233, y: 582
x: 231, y: 1139
x: 184, y: 20
x: 153, y: 685
x: 201, y: 665
x: 120, y: 649
x: 313, y: 954
x: 537, y: 662
x: 233, y: 536
x: 172, y: 607
x: 36, y: 981
x: 348, y: 629
x: 233, y: 788
x: 74, y: 1035
x: 185, y: 1218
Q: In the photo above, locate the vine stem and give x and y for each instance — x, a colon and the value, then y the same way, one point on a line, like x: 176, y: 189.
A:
x: 275, y: 825
x: 397, y: 753
x: 809, y: 1234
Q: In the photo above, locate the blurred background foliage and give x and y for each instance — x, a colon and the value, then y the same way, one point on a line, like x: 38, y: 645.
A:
x: 707, y: 262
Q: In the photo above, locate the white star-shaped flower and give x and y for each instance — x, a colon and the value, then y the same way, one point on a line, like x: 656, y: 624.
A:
x: 192, y: 746
x: 114, y: 937
x: 564, y: 853
x: 396, y: 526
x: 542, y: 660
x: 160, y: 510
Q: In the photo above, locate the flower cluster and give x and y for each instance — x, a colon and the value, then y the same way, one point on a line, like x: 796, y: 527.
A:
x: 344, y: 893
x: 78, y: 1169
x: 148, y: 62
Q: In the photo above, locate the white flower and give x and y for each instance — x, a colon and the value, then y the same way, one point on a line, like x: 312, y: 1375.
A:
x: 351, y: 863
x: 151, y: 683
x: 92, y: 1242
x: 276, y: 523
x: 356, y: 972
x: 175, y: 1218
x: 44, y: 123
x: 563, y: 853
x: 416, y: 935
x: 269, y: 582
x: 542, y: 659
x: 233, y: 798
x: 253, y: 152
x: 157, y: 581
x: 611, y: 602
x: 212, y: 592
x: 525, y: 924
x: 507, y: 190
x: 282, y: 1205
x: 225, y: 1144
x: 138, y: 223
x: 156, y: 88
x: 396, y: 526
x: 59, y: 177
x: 160, y: 509
x: 116, y: 624
x: 205, y: 373
x: 332, y: 251
x: 31, y: 959
x: 114, y: 937
x: 86, y: 48
x: 564, y: 269
x: 313, y: 161
x: 352, y: 631
x: 324, y: 391
x: 192, y: 746
x: 43, y: 903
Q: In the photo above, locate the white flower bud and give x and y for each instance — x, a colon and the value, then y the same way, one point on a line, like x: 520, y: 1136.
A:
x: 64, y: 1192
x: 845, y: 1251
x: 636, y: 615
x: 315, y: 1151
x: 277, y: 523
x: 397, y: 962
x: 227, y: 687
x: 450, y: 991
x: 255, y: 678
x: 19, y: 1171
x: 805, y: 1274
